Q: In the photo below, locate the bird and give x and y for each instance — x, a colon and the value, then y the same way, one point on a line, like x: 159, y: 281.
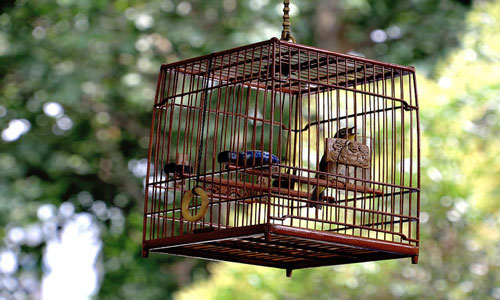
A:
x: 251, y: 159
x: 324, y: 166
x: 247, y: 158
x: 174, y: 168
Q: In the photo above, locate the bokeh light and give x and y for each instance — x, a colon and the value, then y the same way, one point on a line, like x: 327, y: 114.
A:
x: 15, y: 129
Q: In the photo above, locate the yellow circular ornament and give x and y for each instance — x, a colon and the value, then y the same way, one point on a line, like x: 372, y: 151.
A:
x: 186, y: 199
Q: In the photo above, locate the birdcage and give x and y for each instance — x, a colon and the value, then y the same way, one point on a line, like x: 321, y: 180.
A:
x: 284, y: 155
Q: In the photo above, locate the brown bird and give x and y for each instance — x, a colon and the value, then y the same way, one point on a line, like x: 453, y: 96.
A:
x: 324, y: 166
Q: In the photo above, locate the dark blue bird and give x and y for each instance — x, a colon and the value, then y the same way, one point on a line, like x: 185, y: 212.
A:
x: 247, y: 158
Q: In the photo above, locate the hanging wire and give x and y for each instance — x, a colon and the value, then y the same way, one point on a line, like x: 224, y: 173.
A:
x: 285, y: 34
x: 204, y: 113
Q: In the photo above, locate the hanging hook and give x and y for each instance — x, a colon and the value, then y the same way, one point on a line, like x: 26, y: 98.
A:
x: 285, y: 34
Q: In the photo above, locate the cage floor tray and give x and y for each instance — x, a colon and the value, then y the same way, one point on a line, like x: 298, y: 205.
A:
x: 281, y: 247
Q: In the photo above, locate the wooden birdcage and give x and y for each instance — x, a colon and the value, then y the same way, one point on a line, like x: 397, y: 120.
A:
x: 301, y: 157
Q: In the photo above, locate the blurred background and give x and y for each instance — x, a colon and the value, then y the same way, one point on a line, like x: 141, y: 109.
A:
x: 77, y: 80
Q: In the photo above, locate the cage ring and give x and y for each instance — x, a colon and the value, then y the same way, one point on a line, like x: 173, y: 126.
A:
x: 186, y: 199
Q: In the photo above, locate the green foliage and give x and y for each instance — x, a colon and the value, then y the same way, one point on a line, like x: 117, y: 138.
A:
x: 98, y: 60
x: 419, y: 23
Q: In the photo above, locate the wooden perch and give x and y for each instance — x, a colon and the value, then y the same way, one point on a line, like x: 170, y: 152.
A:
x: 335, y: 184
x: 254, y: 187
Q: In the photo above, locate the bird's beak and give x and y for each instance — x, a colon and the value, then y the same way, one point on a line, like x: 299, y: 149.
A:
x: 352, y: 130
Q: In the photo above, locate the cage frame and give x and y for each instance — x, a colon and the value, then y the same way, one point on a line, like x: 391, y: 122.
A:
x: 268, y: 243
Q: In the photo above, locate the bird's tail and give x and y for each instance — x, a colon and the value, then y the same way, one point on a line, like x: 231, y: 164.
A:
x: 317, y: 196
